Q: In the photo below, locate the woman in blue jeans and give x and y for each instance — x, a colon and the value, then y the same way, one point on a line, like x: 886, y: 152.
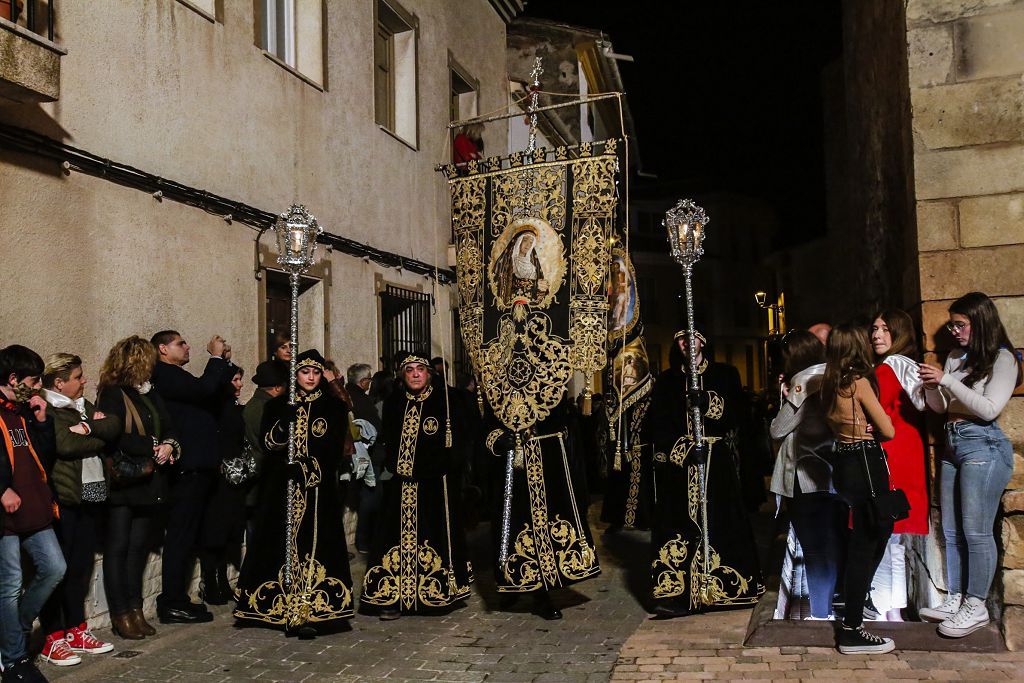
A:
x: 972, y: 390
x: 802, y: 473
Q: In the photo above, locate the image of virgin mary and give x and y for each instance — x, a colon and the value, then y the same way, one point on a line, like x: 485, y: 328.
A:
x: 518, y: 273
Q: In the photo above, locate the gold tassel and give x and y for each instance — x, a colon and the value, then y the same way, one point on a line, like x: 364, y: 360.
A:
x: 518, y: 461
x: 448, y: 433
x: 588, y: 403
x: 617, y: 464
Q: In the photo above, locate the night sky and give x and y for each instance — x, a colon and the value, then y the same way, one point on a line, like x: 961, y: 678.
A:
x: 725, y: 96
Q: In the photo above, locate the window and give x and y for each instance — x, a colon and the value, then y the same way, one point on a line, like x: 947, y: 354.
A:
x: 462, y: 92
x: 394, y: 73
x: 292, y: 33
x: 404, y: 322
x: 277, y: 313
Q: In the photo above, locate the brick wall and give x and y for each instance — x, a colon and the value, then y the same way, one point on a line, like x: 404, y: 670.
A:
x: 966, y: 77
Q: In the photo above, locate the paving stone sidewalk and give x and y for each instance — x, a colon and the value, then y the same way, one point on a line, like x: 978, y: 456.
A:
x: 476, y: 643
x: 709, y: 647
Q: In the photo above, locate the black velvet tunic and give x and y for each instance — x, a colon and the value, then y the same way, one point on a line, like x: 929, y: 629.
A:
x: 320, y: 589
x: 550, y: 545
x: 731, y: 575
x: 418, y: 560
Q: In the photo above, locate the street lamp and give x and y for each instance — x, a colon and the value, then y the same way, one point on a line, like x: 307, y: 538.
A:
x: 297, y: 230
x: 686, y: 223
x: 776, y: 312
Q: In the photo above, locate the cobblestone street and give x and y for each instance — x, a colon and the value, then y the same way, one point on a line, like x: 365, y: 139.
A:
x: 605, y: 635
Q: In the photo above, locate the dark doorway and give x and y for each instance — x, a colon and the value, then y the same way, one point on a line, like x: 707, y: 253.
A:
x: 278, y: 303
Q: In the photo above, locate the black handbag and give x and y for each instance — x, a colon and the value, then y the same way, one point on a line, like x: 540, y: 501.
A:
x: 241, y: 468
x: 126, y: 469
x: 890, y: 505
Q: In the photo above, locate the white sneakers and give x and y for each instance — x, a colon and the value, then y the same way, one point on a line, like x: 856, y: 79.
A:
x: 948, y: 608
x: 971, y: 616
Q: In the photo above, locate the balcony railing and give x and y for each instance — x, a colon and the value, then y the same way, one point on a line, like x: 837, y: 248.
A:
x: 35, y: 15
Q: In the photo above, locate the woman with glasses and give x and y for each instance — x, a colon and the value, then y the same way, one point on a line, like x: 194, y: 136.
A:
x: 902, y: 397
x: 972, y: 389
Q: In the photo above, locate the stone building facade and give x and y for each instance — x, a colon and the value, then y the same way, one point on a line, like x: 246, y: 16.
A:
x: 194, y: 92
x: 966, y: 84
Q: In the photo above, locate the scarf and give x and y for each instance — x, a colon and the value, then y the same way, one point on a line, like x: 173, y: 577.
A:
x: 59, y: 400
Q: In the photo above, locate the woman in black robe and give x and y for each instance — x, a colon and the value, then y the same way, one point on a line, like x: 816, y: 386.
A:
x: 319, y: 586
x: 682, y: 582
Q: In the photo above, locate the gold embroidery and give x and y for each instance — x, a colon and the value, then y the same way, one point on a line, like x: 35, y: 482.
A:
x: 492, y: 438
x: 716, y: 406
x: 430, y: 426
x: 319, y: 427
x: 534, y: 192
x: 545, y: 551
x: 526, y: 369
x: 633, y: 495
x: 412, y: 572
x: 407, y: 440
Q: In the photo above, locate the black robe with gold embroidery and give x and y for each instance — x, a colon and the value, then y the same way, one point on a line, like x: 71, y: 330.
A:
x: 731, y: 577
x: 550, y: 545
x: 418, y: 560
x: 320, y: 589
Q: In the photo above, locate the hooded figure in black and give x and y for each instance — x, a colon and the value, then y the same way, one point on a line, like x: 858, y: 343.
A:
x: 550, y: 545
x: 319, y: 586
x: 418, y: 561
x: 682, y: 582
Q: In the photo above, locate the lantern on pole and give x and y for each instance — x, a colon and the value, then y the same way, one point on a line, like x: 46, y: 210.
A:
x: 297, y: 231
x: 686, y: 223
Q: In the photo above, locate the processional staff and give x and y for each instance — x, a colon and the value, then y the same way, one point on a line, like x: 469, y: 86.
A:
x: 297, y: 231
x: 686, y: 223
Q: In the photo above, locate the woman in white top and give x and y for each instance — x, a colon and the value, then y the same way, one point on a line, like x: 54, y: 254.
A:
x: 972, y: 389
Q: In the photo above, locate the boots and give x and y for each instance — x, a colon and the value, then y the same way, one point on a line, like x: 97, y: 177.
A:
x: 125, y: 627
x: 210, y: 589
x: 140, y: 623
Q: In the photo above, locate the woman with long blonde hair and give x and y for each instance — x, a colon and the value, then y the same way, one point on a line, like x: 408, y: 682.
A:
x: 137, y: 462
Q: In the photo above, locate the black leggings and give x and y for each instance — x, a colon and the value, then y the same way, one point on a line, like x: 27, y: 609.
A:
x: 125, y: 554
x: 867, y: 537
x: 78, y: 533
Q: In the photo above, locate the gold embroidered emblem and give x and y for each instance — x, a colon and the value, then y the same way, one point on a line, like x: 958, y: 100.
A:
x: 319, y: 427
x: 430, y: 426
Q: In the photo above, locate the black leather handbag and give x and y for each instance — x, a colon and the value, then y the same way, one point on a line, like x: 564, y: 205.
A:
x: 888, y: 506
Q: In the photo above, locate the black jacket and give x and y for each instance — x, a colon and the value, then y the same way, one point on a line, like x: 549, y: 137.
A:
x: 194, y: 404
x: 157, y: 424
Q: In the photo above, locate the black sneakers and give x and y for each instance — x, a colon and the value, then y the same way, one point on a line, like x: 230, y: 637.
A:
x: 23, y: 671
x: 857, y: 641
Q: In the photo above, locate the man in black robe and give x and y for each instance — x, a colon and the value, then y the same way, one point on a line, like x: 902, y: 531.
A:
x: 418, y: 562
x: 704, y: 553
x: 315, y: 587
x: 550, y: 545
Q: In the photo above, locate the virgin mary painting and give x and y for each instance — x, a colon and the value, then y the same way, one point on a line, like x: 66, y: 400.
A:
x: 518, y: 273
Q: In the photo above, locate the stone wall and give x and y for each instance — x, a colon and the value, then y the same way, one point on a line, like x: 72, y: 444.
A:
x: 966, y: 78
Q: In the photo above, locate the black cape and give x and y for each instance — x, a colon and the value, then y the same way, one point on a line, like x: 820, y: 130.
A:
x: 321, y: 582
x: 732, y: 576
x: 418, y: 560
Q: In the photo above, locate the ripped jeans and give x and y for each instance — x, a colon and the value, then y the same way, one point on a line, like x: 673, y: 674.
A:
x: 976, y: 467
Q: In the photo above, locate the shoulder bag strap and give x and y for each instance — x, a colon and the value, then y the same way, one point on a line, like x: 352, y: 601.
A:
x: 132, y: 415
x: 863, y: 447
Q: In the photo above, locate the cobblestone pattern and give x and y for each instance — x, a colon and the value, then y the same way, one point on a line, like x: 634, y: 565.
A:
x: 709, y: 647
x: 477, y: 643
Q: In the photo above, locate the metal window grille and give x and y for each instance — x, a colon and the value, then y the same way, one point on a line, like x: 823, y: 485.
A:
x: 405, y: 322
x: 31, y: 19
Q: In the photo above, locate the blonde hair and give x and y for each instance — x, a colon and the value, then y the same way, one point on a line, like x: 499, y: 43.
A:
x: 129, y: 363
x: 59, y: 366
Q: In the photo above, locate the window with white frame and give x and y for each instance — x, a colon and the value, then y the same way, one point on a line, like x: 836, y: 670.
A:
x: 464, y: 89
x: 394, y: 74
x: 292, y: 31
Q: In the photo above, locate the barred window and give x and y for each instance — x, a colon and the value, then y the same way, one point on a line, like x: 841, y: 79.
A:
x: 405, y: 322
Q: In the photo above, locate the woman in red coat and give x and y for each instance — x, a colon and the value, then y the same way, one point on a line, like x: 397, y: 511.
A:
x: 901, y: 394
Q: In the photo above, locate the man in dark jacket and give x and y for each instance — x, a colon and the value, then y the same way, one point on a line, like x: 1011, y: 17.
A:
x: 193, y: 404
x: 26, y: 458
x: 271, y: 380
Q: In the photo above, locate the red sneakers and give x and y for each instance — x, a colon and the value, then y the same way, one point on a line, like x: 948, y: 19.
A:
x: 80, y: 639
x: 57, y: 652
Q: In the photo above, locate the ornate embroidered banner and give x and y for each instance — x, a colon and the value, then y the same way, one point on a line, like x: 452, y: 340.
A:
x: 532, y: 255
